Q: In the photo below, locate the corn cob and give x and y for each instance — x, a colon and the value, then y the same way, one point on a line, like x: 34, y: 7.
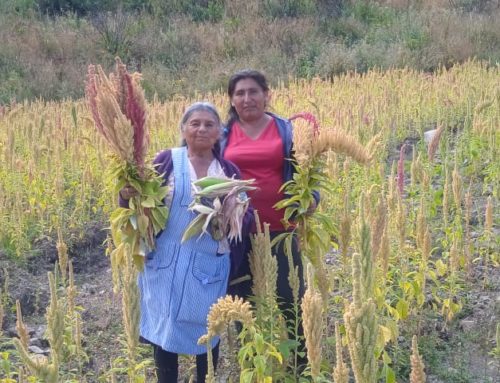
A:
x: 223, y: 188
x: 209, y: 181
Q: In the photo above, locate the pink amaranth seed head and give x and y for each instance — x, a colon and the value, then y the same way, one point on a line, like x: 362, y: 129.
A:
x: 310, y: 118
x: 135, y: 112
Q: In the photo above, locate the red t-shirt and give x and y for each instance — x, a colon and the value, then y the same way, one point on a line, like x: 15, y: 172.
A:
x: 261, y: 159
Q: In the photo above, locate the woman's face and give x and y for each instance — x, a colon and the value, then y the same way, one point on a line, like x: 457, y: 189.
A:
x: 201, y: 131
x: 249, y: 99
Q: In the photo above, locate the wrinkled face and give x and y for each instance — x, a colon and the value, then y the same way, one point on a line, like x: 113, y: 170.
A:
x: 201, y: 131
x: 249, y: 99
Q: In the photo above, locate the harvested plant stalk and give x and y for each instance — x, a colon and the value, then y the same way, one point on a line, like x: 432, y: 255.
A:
x: 118, y: 108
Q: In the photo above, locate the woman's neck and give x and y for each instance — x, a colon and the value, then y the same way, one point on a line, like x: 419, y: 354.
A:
x: 201, y: 160
x: 255, y: 127
x: 201, y: 153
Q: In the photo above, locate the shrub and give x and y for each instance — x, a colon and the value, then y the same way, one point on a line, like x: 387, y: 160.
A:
x: 19, y: 7
x: 306, y: 62
x: 348, y: 30
x: 334, y: 59
x: 288, y: 8
x: 474, y: 5
x: 114, y: 31
x: 80, y: 7
x: 371, y: 13
x: 200, y: 11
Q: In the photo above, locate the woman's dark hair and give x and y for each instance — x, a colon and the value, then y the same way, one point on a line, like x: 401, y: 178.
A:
x: 244, y: 74
x: 202, y: 106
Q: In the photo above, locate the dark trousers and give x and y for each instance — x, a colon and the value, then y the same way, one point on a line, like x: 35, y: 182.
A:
x: 283, y: 289
x: 167, y: 365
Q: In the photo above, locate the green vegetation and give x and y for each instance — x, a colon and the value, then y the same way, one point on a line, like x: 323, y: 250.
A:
x: 187, y: 46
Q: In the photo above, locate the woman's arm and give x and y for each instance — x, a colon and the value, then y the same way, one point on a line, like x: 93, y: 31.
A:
x: 163, y: 164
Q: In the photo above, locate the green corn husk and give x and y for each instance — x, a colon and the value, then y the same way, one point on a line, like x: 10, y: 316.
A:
x: 223, y: 188
x: 208, y: 181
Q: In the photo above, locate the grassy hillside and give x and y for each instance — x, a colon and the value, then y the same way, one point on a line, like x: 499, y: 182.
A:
x: 187, y: 46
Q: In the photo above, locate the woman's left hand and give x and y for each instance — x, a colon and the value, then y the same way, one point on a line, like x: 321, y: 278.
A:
x: 128, y: 192
x: 312, y: 208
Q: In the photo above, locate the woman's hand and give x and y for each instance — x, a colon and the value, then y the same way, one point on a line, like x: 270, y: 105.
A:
x: 312, y: 208
x: 128, y: 192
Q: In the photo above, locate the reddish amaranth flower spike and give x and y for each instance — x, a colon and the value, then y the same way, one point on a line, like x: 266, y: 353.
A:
x: 136, y: 113
x: 120, y: 83
x: 123, y: 94
x: 401, y: 169
x: 309, y: 117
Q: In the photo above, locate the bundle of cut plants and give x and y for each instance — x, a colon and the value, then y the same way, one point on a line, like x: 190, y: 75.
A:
x: 312, y: 227
x: 220, y: 204
x: 311, y: 143
x: 118, y: 107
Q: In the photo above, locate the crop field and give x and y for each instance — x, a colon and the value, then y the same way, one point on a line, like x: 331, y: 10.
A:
x: 403, y: 247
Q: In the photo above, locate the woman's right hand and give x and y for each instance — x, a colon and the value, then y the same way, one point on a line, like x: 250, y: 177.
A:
x: 128, y: 192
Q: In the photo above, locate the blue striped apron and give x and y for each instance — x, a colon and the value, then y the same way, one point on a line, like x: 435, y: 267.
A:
x: 181, y: 281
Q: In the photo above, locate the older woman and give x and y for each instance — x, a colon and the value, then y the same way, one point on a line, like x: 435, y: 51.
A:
x: 181, y: 281
x: 260, y: 144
